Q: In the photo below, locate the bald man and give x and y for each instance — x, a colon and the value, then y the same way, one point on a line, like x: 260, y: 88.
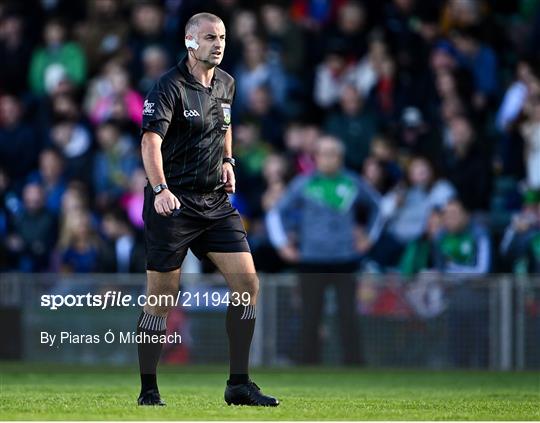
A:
x: 187, y: 155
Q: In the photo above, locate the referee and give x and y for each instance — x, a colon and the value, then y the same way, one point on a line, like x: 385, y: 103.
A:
x: 187, y: 155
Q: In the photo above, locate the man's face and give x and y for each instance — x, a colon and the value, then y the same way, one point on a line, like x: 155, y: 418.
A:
x: 328, y: 156
x: 211, y: 40
x: 455, y: 218
x: 33, y: 197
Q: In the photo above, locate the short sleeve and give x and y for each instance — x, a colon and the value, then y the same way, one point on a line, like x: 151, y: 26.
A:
x: 233, y: 90
x: 158, y: 110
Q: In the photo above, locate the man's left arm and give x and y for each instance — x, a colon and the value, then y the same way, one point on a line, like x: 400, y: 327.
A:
x: 370, y: 199
x: 228, y: 177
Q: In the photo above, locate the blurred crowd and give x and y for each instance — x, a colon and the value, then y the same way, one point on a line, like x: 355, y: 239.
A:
x: 398, y: 135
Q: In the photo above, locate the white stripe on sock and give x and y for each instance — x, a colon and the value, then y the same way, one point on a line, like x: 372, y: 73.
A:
x: 154, y: 323
x: 143, y: 320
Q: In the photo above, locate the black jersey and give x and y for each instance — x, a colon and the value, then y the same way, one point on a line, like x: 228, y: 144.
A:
x: 192, y: 120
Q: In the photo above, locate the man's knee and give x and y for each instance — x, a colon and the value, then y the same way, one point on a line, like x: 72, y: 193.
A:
x: 160, y: 304
x: 249, y: 283
x: 161, y: 292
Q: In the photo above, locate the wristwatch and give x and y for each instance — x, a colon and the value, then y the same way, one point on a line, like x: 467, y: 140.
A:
x: 159, y: 187
x: 230, y: 160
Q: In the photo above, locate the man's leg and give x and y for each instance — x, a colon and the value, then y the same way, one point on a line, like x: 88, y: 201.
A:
x: 312, y: 288
x: 152, y: 321
x: 239, y: 272
x: 345, y: 284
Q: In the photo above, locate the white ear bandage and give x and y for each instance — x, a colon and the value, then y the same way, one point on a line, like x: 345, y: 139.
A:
x: 191, y: 43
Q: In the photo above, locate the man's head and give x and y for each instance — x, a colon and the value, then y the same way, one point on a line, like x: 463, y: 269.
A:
x: 350, y: 100
x: 115, y: 224
x: 461, y: 133
x: 33, y: 197
x: 205, y: 39
x: 51, y: 165
x: 455, y: 217
x: 329, y: 155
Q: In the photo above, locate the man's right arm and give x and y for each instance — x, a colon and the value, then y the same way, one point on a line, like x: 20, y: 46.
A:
x: 164, y: 202
x: 274, y: 223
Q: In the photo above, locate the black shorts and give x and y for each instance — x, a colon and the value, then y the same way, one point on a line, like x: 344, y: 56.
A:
x: 205, y: 223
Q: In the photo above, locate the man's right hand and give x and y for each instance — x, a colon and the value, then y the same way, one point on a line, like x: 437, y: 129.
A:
x: 289, y: 253
x: 165, y: 202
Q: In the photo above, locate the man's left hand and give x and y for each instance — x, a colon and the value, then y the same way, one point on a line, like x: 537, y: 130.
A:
x: 228, y: 178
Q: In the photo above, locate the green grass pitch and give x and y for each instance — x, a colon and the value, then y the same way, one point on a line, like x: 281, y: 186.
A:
x: 38, y: 392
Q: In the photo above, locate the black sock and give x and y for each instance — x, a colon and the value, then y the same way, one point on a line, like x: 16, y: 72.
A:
x: 240, y: 326
x: 149, y: 352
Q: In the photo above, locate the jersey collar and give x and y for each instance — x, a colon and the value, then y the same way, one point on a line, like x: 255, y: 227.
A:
x: 188, y: 77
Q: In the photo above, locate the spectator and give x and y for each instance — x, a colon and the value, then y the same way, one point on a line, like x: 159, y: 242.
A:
x: 19, y: 146
x: 147, y: 30
x: 463, y: 246
x: 244, y: 26
x: 78, y: 244
x: 355, y: 124
x: 114, y: 164
x: 519, y: 245
x: 10, y: 207
x: 75, y: 199
x: 123, y: 250
x: 261, y: 109
x: 312, y: 14
x: 530, y: 130
x: 111, y: 91
x: 466, y: 166
x: 132, y: 201
x: 56, y: 61
x: 258, y: 69
x: 104, y: 34
x: 155, y: 63
x: 331, y: 200
x: 349, y: 30
x: 383, y: 149
x: 481, y: 61
x: 366, y: 76
x: 34, y: 231
x: 51, y: 177
x: 415, y: 135
x: 463, y: 249
x: 74, y: 140
x: 516, y: 95
x: 406, y: 210
x: 285, y: 40
x: 275, y: 177
x: 15, y: 52
x: 386, y: 95
x: 331, y: 75
x: 418, y: 256
x: 375, y: 174
x: 252, y: 152
x: 300, y: 140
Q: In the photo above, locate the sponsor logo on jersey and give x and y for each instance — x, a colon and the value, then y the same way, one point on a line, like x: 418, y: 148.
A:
x: 191, y: 113
x: 148, y: 109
